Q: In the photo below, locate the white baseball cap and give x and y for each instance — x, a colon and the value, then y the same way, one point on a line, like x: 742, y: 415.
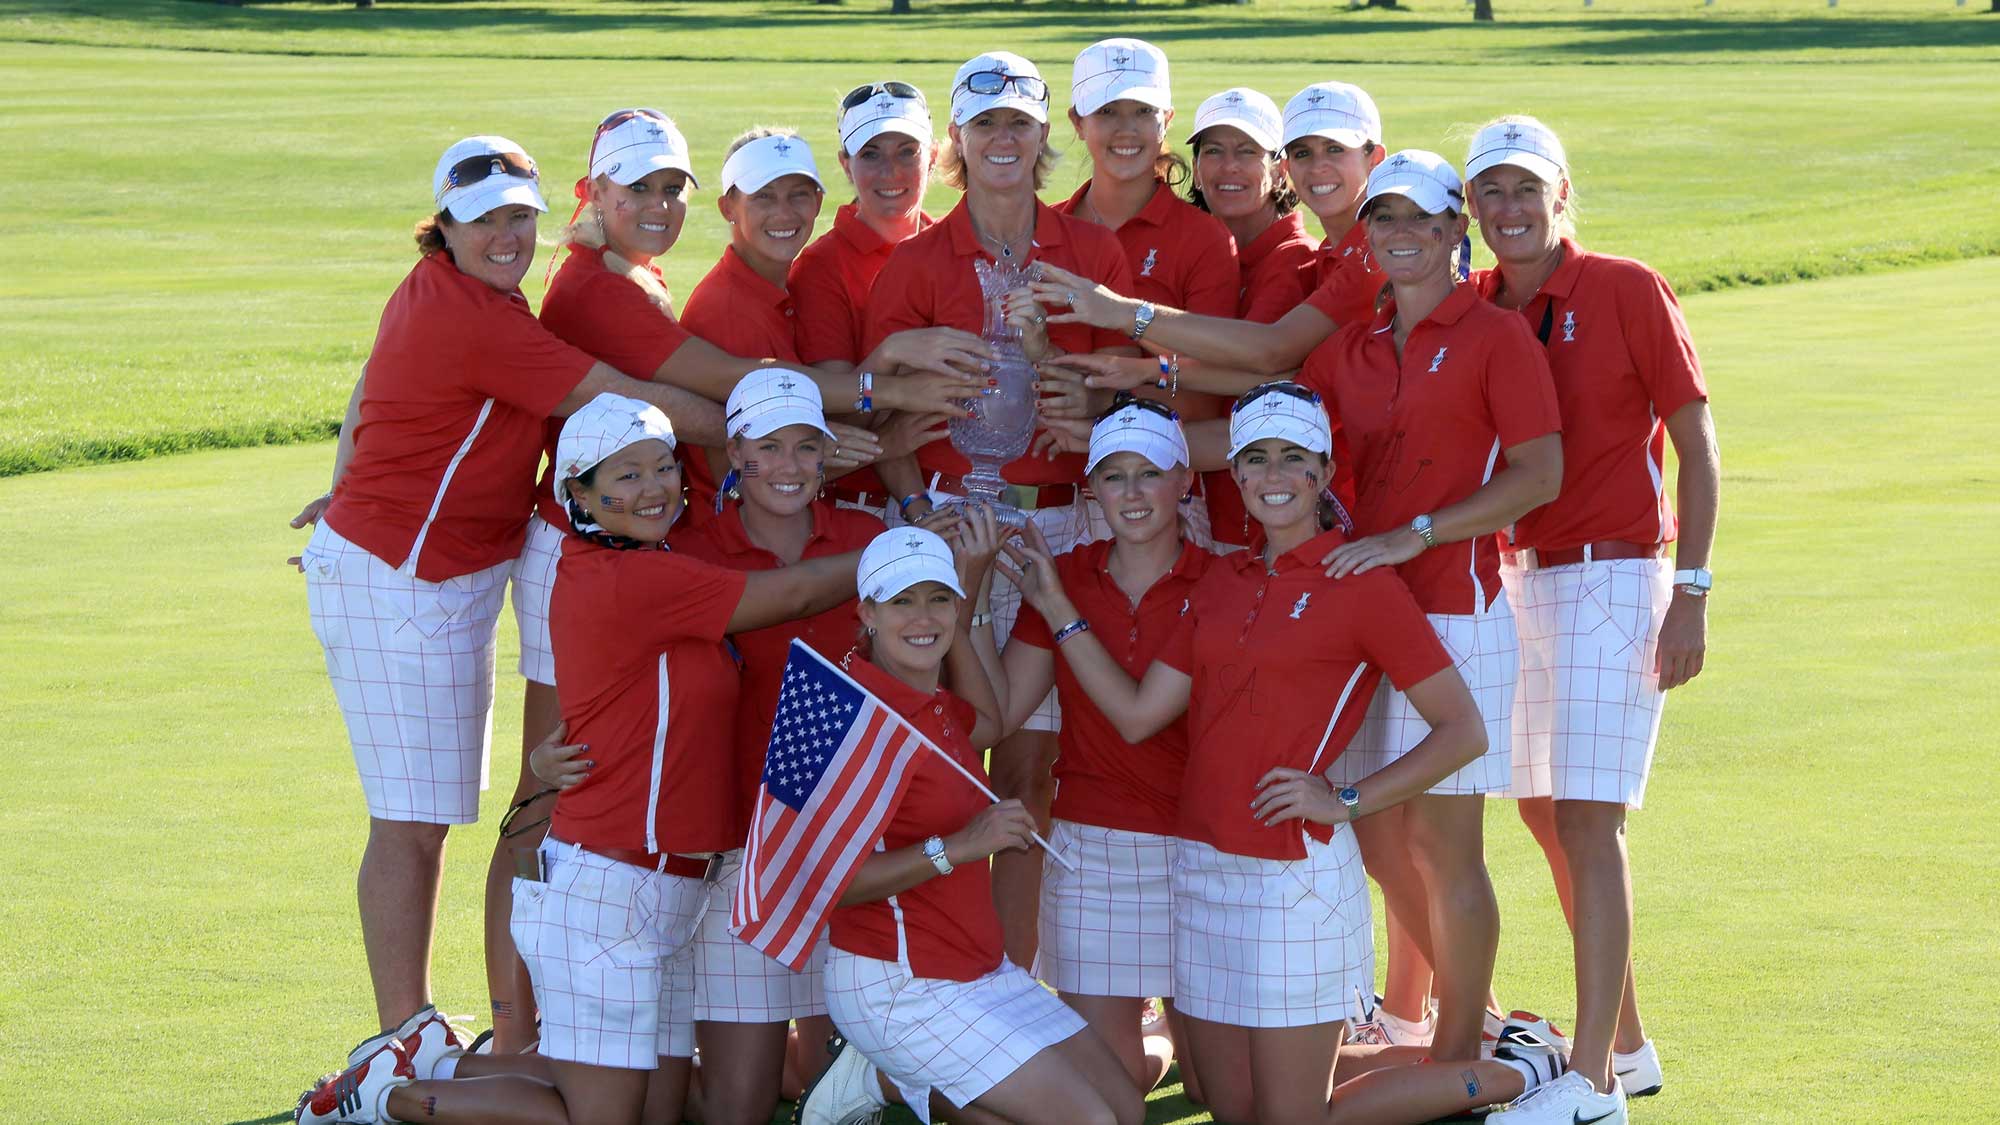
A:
x: 771, y: 398
x: 1338, y: 111
x: 1425, y: 177
x: 637, y: 142
x: 1137, y: 429
x: 900, y: 558
x: 468, y: 187
x: 888, y: 110
x: 1286, y: 411
x: 603, y: 426
x: 1113, y: 69
x: 965, y: 104
x: 758, y: 162
x: 1246, y: 109
x: 1525, y: 143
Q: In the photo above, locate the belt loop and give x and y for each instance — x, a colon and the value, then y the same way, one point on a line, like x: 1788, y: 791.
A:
x: 1589, y: 555
x: 660, y: 864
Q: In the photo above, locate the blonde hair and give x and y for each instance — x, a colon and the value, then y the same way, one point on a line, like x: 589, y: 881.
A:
x: 1572, y: 208
x: 587, y: 229
x: 951, y: 164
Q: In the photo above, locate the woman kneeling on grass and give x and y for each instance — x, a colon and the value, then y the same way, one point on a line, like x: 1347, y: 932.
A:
x: 934, y: 1013
x: 608, y: 928
x: 1273, y: 663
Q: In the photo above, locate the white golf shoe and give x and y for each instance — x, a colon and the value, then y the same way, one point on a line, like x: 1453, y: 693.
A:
x: 356, y: 1095
x: 847, y: 1092
x: 1569, y: 1100
x: 1639, y: 1072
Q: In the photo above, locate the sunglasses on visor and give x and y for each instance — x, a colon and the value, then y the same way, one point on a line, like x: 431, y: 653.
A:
x: 997, y: 81
x: 1279, y: 387
x: 1124, y: 399
x: 473, y: 169
x: 894, y: 89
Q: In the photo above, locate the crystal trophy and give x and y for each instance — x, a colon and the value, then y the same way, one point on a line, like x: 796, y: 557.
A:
x: 998, y: 425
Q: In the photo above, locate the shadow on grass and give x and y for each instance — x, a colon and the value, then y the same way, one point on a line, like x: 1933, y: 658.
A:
x: 274, y: 1119
x: 915, y: 37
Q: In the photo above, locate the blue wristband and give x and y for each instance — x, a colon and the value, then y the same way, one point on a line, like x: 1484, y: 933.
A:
x: 1072, y: 629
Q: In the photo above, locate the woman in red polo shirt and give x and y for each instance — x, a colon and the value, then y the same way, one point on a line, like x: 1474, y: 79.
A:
x: 1333, y: 139
x: 933, y: 1012
x: 1451, y: 421
x: 405, y: 572
x: 1607, y: 626
x: 772, y: 517
x: 1106, y: 927
x: 1239, y: 177
x: 1272, y: 662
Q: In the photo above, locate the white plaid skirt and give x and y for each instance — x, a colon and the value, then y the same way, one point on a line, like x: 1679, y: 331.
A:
x: 1587, y: 717
x: 1107, y: 929
x: 960, y: 1038
x: 534, y: 577
x: 1272, y: 943
x: 734, y: 983
x: 1488, y: 656
x: 412, y: 667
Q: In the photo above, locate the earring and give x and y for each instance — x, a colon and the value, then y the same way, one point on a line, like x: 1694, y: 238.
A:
x: 871, y: 630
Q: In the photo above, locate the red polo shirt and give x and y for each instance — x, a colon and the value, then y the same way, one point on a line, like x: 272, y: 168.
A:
x: 1181, y: 256
x: 1277, y: 270
x: 1284, y: 664
x: 609, y: 316
x: 452, y: 403
x: 945, y: 925
x: 735, y: 309
x: 651, y: 689
x: 1623, y: 363
x: 1348, y: 280
x: 829, y: 283
x: 724, y: 542
x: 930, y: 281
x: 1100, y: 778
x: 1426, y: 429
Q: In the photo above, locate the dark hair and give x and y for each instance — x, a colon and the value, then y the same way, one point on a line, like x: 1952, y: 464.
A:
x: 1174, y: 169
x: 430, y: 233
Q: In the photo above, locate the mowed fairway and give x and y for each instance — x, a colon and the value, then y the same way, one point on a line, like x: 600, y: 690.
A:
x: 213, y: 202
x: 1817, y: 854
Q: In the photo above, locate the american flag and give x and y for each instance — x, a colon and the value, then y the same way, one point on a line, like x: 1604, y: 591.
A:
x: 836, y: 766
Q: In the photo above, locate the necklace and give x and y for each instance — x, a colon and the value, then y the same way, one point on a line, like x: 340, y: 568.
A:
x: 1006, y: 247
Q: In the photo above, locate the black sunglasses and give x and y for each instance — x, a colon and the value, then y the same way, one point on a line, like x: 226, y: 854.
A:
x: 473, y: 169
x: 996, y: 81
x: 1277, y: 387
x: 894, y: 89
x: 1124, y: 399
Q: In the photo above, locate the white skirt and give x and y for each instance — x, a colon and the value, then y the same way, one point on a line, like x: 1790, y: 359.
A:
x: 734, y: 983
x: 1107, y: 929
x: 1272, y: 943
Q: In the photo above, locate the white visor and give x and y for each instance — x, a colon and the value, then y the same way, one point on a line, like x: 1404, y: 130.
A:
x: 1528, y: 145
x: 1275, y: 414
x: 1134, y: 429
x: 497, y: 189
x: 1425, y: 177
x: 1242, y: 108
x: 639, y: 145
x: 898, y: 559
x: 771, y: 398
x: 605, y: 425
x: 1115, y: 69
x: 966, y: 105
x: 1338, y: 111
x: 884, y: 113
x: 765, y: 159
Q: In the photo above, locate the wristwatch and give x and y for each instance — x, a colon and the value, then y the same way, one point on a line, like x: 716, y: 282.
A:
x: 934, y: 851
x: 1351, y: 797
x: 1422, y: 526
x: 1142, y: 319
x: 1695, y: 583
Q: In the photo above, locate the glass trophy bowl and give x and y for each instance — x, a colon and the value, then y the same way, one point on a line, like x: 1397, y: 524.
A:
x: 998, y: 425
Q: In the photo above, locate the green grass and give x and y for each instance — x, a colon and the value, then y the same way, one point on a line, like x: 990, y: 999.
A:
x: 204, y: 235
x: 1816, y: 866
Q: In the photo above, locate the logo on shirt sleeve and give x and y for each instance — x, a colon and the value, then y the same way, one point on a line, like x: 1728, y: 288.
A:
x: 1152, y: 259
x: 1299, y: 607
x: 1437, y: 360
x: 1569, y: 327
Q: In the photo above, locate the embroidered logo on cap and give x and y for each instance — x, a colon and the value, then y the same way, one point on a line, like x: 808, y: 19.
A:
x: 1512, y: 133
x: 1121, y: 58
x: 1316, y: 97
x: 782, y: 147
x: 1234, y: 98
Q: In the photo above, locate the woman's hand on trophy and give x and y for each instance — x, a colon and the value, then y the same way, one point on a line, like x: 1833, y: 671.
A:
x: 976, y: 543
x: 1059, y: 436
x: 1087, y: 302
x: 945, y: 351
x: 1026, y: 314
x: 1064, y: 394
x: 905, y: 433
x: 928, y: 392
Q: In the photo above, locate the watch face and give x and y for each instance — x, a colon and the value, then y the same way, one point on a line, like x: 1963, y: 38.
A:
x: 1350, y: 796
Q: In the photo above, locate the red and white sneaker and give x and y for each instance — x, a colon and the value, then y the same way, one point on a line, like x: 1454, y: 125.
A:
x: 1497, y: 1025
x: 356, y: 1095
x: 432, y: 1041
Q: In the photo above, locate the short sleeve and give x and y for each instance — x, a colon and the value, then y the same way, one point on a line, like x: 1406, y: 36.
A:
x: 1178, y: 652
x: 672, y: 597
x: 518, y: 361
x: 1395, y: 635
x: 1661, y: 347
x: 615, y: 321
x: 1520, y: 391
x: 1276, y: 288
x: 1347, y: 296
x: 751, y: 333
x: 825, y: 313
x: 897, y: 301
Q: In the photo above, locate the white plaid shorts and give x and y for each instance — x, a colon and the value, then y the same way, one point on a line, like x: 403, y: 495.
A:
x: 1107, y: 929
x: 610, y: 947
x: 412, y: 667
x: 1272, y: 943
x: 534, y: 577
x: 1588, y: 714
x: 1488, y: 656
x: 960, y: 1038
x: 734, y: 983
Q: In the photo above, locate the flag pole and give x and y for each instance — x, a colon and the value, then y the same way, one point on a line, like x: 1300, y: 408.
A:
x: 992, y: 796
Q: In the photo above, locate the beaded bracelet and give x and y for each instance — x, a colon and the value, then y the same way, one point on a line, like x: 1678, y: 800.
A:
x: 1072, y: 629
